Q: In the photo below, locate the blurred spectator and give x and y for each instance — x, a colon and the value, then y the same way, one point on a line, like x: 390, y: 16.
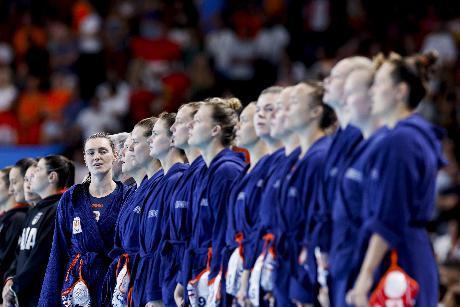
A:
x: 93, y: 119
x: 31, y: 108
x: 441, y: 41
x: 8, y: 91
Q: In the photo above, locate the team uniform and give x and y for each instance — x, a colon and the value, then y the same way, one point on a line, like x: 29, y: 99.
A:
x: 278, y: 284
x: 203, y: 257
x: 299, y: 195
x: 343, y: 144
x: 83, y: 238
x: 179, y: 229
x: 29, y: 266
x: 119, y: 284
x: 11, y: 224
x: 346, y: 216
x: 147, y: 283
x: 399, y: 200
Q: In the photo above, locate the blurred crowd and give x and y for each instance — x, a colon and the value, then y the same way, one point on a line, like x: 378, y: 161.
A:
x: 71, y: 68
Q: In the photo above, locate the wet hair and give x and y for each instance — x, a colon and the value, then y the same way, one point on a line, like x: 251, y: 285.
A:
x: 24, y: 164
x: 414, y: 71
x: 5, y: 172
x: 101, y: 135
x: 194, y: 105
x: 225, y: 114
x: 328, y: 117
x: 272, y: 90
x: 147, y: 124
x: 169, y: 119
x: 64, y: 168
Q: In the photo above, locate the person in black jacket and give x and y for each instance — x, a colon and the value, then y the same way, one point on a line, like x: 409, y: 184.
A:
x: 13, y: 201
x: 52, y: 176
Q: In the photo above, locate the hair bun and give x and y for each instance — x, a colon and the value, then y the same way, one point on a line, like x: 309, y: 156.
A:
x: 234, y: 103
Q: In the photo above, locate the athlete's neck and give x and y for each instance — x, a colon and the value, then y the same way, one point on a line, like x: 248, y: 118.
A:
x: 367, y: 126
x: 48, y: 191
x: 291, y: 142
x: 102, y: 185
x: 139, y: 175
x: 308, y: 135
x: 396, y: 115
x: 342, y: 117
x: 272, y: 144
x: 172, y: 157
x: 153, y: 167
x: 257, y: 150
x: 192, y: 153
x: 211, y: 150
x: 7, y: 204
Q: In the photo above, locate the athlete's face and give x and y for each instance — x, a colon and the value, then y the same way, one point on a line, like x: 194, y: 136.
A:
x: 140, y: 147
x: 300, y: 113
x: 4, y: 188
x: 128, y: 158
x: 278, y: 123
x: 99, y: 156
x: 29, y: 195
x: 265, y: 112
x: 160, y: 141
x: 180, y: 129
x: 334, y: 83
x: 383, y: 91
x: 201, y: 127
x: 17, y: 185
x: 38, y: 180
x: 358, y: 102
x: 245, y: 132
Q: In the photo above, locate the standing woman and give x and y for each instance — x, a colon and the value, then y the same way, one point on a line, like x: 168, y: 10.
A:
x: 179, y: 227
x: 11, y: 221
x: 309, y: 119
x: 345, y: 140
x: 244, y: 199
x: 278, y: 287
x: 399, y: 194
x: 147, y: 284
x: 213, y: 132
x: 51, y: 175
x: 252, y: 245
x: 348, y: 203
x: 139, y: 165
x: 84, y: 231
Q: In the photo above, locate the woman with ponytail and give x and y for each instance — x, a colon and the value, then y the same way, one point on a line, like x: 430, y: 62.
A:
x: 147, y: 289
x: 347, y: 206
x: 51, y: 176
x: 145, y: 170
x: 212, y: 132
x: 399, y: 191
x: 84, y: 231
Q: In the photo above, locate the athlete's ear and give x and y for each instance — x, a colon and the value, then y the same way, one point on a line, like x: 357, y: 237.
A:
x: 53, y: 177
x: 216, y: 130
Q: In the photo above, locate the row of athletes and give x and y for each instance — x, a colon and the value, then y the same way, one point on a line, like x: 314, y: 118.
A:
x: 340, y: 177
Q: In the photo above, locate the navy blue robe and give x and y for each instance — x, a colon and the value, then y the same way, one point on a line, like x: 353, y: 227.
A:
x: 272, y: 196
x: 147, y: 286
x: 179, y: 228
x: 81, y: 244
x: 209, y: 219
x: 320, y: 227
x: 346, y: 215
x: 298, y: 196
x: 399, y: 200
x: 126, y: 241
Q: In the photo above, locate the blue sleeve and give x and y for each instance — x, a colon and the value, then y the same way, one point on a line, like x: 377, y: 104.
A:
x: 395, y: 178
x: 219, y: 201
x: 52, y: 285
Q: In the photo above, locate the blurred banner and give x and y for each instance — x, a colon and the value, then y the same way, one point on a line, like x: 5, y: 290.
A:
x: 10, y: 154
